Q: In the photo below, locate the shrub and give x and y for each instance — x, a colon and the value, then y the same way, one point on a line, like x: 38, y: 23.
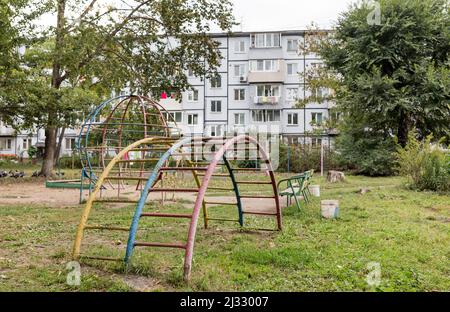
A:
x: 426, y: 165
x: 365, y: 152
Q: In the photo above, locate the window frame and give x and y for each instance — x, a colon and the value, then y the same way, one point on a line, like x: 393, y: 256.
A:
x: 239, y: 97
x: 239, y: 115
x: 272, y: 88
x: 293, y: 66
x: 294, y: 48
x: 260, y: 40
x: 314, y: 116
x: 216, y: 82
x: 216, y: 104
x: 239, y: 47
x: 193, y: 117
x: 191, y: 96
x: 292, y: 117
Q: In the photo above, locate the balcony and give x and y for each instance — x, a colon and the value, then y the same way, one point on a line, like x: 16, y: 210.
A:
x: 275, y: 73
x: 262, y: 100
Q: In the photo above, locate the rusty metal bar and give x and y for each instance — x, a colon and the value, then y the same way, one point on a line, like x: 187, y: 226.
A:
x: 257, y: 196
x: 167, y: 215
x: 260, y: 213
x: 107, y: 228
x: 219, y: 203
x: 186, y: 190
x: 173, y: 245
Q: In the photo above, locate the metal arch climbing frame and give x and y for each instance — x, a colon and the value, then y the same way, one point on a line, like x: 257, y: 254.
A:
x: 200, y: 202
x: 202, y: 192
x: 99, y: 184
x: 87, y: 125
x: 84, y: 134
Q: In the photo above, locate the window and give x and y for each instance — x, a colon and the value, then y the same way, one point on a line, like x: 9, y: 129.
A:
x: 292, y: 69
x: 316, y: 118
x: 193, y: 95
x: 70, y: 143
x: 192, y: 119
x: 5, y: 144
x: 26, y: 143
x: 239, y: 70
x: 239, y: 46
x: 216, y: 82
x: 216, y: 106
x: 216, y: 130
x: 239, y: 94
x: 173, y: 116
x: 292, y: 94
x: 267, y: 90
x: 292, y: 45
x: 270, y: 40
x: 264, y: 65
x: 293, y: 119
x: 190, y: 73
x: 239, y: 119
x: 266, y: 115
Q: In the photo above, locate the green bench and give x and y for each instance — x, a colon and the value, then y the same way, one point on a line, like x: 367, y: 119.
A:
x: 296, y: 187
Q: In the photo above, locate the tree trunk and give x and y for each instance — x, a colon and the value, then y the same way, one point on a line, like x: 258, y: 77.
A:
x: 50, y: 145
x: 58, y: 148
x: 403, y: 129
x: 51, y: 129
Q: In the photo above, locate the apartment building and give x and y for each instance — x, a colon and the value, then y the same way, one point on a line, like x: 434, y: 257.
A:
x: 18, y: 143
x: 261, y: 77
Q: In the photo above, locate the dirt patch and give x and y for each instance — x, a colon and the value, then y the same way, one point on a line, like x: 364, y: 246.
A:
x: 37, y: 193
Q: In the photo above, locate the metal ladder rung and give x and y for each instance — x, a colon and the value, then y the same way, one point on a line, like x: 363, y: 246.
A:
x: 257, y: 196
x: 260, y: 213
x: 102, y: 258
x: 166, y: 245
x: 126, y: 178
x: 219, y: 203
x: 136, y: 160
x: 215, y: 175
x: 167, y: 215
x: 224, y: 220
x: 106, y: 228
x: 183, y: 169
x: 116, y: 201
x: 220, y: 189
x: 256, y: 183
x: 173, y: 190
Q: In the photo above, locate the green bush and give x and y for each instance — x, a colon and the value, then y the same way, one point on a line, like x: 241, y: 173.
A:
x: 426, y: 165
x: 366, y: 153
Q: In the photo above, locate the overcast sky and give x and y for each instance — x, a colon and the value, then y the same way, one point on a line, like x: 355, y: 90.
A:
x: 260, y: 15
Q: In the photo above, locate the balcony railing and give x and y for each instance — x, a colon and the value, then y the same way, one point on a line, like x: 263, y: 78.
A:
x: 273, y: 100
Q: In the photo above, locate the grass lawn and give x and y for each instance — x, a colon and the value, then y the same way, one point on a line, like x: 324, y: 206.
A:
x: 406, y: 232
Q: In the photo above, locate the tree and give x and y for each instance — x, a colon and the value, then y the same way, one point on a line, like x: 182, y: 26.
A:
x: 95, y: 48
x: 394, y: 76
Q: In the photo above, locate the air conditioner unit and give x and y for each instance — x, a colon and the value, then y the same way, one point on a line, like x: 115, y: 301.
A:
x: 243, y: 79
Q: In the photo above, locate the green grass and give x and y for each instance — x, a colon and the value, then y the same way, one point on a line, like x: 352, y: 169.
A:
x: 406, y: 232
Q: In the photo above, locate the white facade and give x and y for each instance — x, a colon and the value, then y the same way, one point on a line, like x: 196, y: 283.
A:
x: 261, y: 77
